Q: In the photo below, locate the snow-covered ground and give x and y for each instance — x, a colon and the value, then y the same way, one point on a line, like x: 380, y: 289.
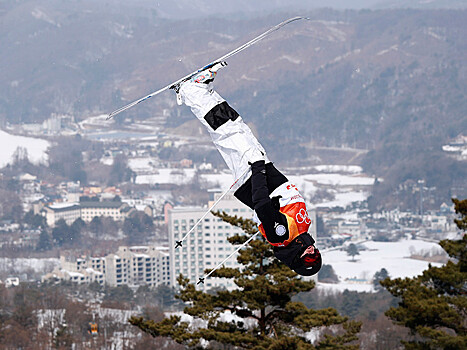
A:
x: 393, y: 256
x: 16, y: 266
x: 36, y: 148
x: 342, y: 179
x: 333, y: 168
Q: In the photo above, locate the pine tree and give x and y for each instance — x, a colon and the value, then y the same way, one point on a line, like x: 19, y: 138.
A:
x: 263, y: 298
x: 434, y: 305
x: 45, y: 242
x: 379, y: 276
x: 461, y: 209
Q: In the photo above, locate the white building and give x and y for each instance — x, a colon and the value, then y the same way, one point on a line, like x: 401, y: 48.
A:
x: 135, y: 266
x: 66, y: 211
x: 139, y: 265
x: 79, y: 270
x: 207, y: 245
x: 12, y: 282
x: 86, y: 276
x: 352, y: 228
x: 118, y: 211
x: 69, y: 212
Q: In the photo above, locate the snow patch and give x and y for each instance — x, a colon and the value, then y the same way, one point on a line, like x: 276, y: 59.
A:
x: 353, y: 169
x: 41, y: 15
x: 21, y: 265
x: 392, y: 48
x: 393, y: 256
x: 343, y: 200
x: 36, y: 148
x: 290, y: 59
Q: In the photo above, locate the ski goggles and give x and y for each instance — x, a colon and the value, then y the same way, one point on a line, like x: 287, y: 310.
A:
x: 310, y: 256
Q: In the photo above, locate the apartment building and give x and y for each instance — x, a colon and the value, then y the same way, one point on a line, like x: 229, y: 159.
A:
x: 207, y: 246
x: 82, y: 270
x: 139, y: 265
x: 134, y: 266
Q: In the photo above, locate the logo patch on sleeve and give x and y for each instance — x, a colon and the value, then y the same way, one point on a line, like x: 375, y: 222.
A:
x: 280, y: 230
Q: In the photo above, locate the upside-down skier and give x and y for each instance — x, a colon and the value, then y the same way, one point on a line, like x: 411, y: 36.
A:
x: 278, y: 205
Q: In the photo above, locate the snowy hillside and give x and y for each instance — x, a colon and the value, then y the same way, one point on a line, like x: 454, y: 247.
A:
x: 35, y: 148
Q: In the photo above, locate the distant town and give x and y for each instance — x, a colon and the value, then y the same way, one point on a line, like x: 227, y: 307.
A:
x: 336, y: 198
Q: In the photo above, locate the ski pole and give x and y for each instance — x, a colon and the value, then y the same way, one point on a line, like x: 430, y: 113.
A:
x: 201, y: 279
x: 180, y: 243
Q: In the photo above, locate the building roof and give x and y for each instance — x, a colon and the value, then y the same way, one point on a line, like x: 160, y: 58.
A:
x: 111, y: 205
x: 58, y: 207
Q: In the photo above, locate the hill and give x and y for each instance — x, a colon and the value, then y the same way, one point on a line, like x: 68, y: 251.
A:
x: 390, y: 82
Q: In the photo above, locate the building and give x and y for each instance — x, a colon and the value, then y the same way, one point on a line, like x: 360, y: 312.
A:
x: 134, y: 266
x: 139, y: 265
x: 66, y: 211
x: 81, y: 270
x: 12, y: 282
x: 352, y: 228
x: 207, y: 245
x: 86, y: 211
x: 118, y: 211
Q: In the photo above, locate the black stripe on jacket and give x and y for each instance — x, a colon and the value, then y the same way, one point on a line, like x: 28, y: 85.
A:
x: 220, y: 114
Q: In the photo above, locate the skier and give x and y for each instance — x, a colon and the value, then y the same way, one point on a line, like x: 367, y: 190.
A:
x: 279, y: 207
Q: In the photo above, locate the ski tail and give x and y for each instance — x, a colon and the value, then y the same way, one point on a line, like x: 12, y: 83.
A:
x: 223, y: 58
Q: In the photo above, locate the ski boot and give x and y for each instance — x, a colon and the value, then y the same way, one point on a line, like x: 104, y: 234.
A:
x: 205, y: 75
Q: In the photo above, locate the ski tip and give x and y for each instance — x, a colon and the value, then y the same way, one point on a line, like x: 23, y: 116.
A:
x: 109, y: 117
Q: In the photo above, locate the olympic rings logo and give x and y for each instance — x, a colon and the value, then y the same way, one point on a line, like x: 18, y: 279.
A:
x: 302, y: 217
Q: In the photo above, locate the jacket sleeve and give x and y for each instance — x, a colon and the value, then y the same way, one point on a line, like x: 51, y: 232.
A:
x: 274, y: 222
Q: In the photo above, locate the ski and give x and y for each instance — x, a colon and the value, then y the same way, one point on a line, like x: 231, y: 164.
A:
x: 223, y: 58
